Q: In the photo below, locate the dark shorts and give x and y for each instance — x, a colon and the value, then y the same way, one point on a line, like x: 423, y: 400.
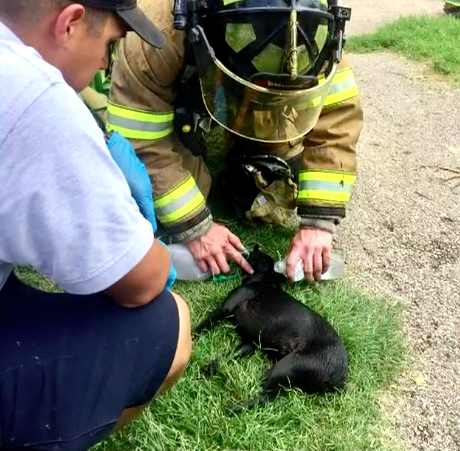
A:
x: 70, y: 365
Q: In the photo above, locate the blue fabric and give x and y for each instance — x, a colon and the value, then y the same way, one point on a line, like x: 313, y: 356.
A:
x: 135, y: 173
x: 172, y: 273
x: 70, y: 364
x: 139, y: 183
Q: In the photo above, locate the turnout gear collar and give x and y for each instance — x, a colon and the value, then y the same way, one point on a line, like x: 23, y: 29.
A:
x: 133, y: 17
x: 265, y: 66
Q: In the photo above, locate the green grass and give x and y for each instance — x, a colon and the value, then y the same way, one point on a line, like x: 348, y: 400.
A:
x: 431, y: 39
x: 191, y: 416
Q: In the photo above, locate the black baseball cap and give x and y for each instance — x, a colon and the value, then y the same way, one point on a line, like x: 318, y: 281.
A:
x: 133, y: 17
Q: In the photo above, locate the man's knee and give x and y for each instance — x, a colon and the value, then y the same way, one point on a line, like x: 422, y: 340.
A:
x: 178, y: 366
x: 184, y: 345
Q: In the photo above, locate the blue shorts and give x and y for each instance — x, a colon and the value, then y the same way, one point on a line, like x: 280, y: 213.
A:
x: 70, y: 365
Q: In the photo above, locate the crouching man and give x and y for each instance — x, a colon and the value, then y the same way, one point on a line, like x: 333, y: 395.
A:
x: 76, y: 205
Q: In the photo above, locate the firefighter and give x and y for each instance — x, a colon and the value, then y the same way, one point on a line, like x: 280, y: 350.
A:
x: 273, y: 75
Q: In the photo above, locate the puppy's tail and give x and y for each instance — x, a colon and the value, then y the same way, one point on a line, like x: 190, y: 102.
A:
x: 248, y: 405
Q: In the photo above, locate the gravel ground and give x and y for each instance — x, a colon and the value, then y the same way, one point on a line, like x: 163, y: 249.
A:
x: 401, y: 235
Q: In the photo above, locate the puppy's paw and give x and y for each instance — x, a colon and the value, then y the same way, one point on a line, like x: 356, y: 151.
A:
x: 248, y: 405
x: 210, y: 369
x: 235, y: 409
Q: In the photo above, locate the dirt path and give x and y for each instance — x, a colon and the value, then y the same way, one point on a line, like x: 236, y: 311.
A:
x: 402, y: 232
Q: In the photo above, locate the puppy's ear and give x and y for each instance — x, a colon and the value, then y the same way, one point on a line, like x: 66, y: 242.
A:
x: 256, y: 248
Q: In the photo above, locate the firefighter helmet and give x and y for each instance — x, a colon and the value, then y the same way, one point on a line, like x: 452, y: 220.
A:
x: 266, y: 66
x: 269, y: 38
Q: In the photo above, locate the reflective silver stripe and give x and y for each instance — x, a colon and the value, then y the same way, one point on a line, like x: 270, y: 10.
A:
x: 137, y: 125
x: 342, y: 85
x: 319, y: 185
x: 180, y: 202
x: 343, y: 88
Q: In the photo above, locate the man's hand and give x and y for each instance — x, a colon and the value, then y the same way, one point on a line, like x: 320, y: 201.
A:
x: 313, y: 247
x: 211, y: 250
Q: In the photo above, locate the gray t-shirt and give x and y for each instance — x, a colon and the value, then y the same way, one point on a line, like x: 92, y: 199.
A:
x: 65, y: 207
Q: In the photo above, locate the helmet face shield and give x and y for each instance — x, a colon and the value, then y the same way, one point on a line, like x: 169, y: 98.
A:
x: 257, y: 112
x: 266, y: 66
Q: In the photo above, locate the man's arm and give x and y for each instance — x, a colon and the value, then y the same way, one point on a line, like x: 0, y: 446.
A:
x: 140, y: 108
x: 327, y: 174
x: 69, y: 209
x: 141, y: 99
x: 145, y: 281
x: 328, y: 167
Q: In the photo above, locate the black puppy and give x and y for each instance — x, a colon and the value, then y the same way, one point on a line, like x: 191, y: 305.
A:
x: 309, y: 353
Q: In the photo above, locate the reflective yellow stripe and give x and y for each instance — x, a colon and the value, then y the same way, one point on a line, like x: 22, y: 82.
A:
x: 136, y: 134
x: 181, y: 212
x: 343, y: 87
x: 327, y: 176
x: 136, y: 124
x: 180, y: 202
x: 324, y: 196
x: 328, y: 186
x: 187, y: 185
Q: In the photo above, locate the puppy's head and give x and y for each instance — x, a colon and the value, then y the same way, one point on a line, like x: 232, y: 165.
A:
x: 261, y: 262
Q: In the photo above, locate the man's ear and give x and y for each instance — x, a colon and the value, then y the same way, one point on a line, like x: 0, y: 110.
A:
x: 68, y: 23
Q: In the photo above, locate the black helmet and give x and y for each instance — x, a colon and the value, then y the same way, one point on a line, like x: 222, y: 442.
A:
x: 257, y: 38
x: 265, y: 66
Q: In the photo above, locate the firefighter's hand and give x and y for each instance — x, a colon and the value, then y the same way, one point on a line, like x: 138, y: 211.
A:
x: 314, y: 248
x: 212, y: 250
